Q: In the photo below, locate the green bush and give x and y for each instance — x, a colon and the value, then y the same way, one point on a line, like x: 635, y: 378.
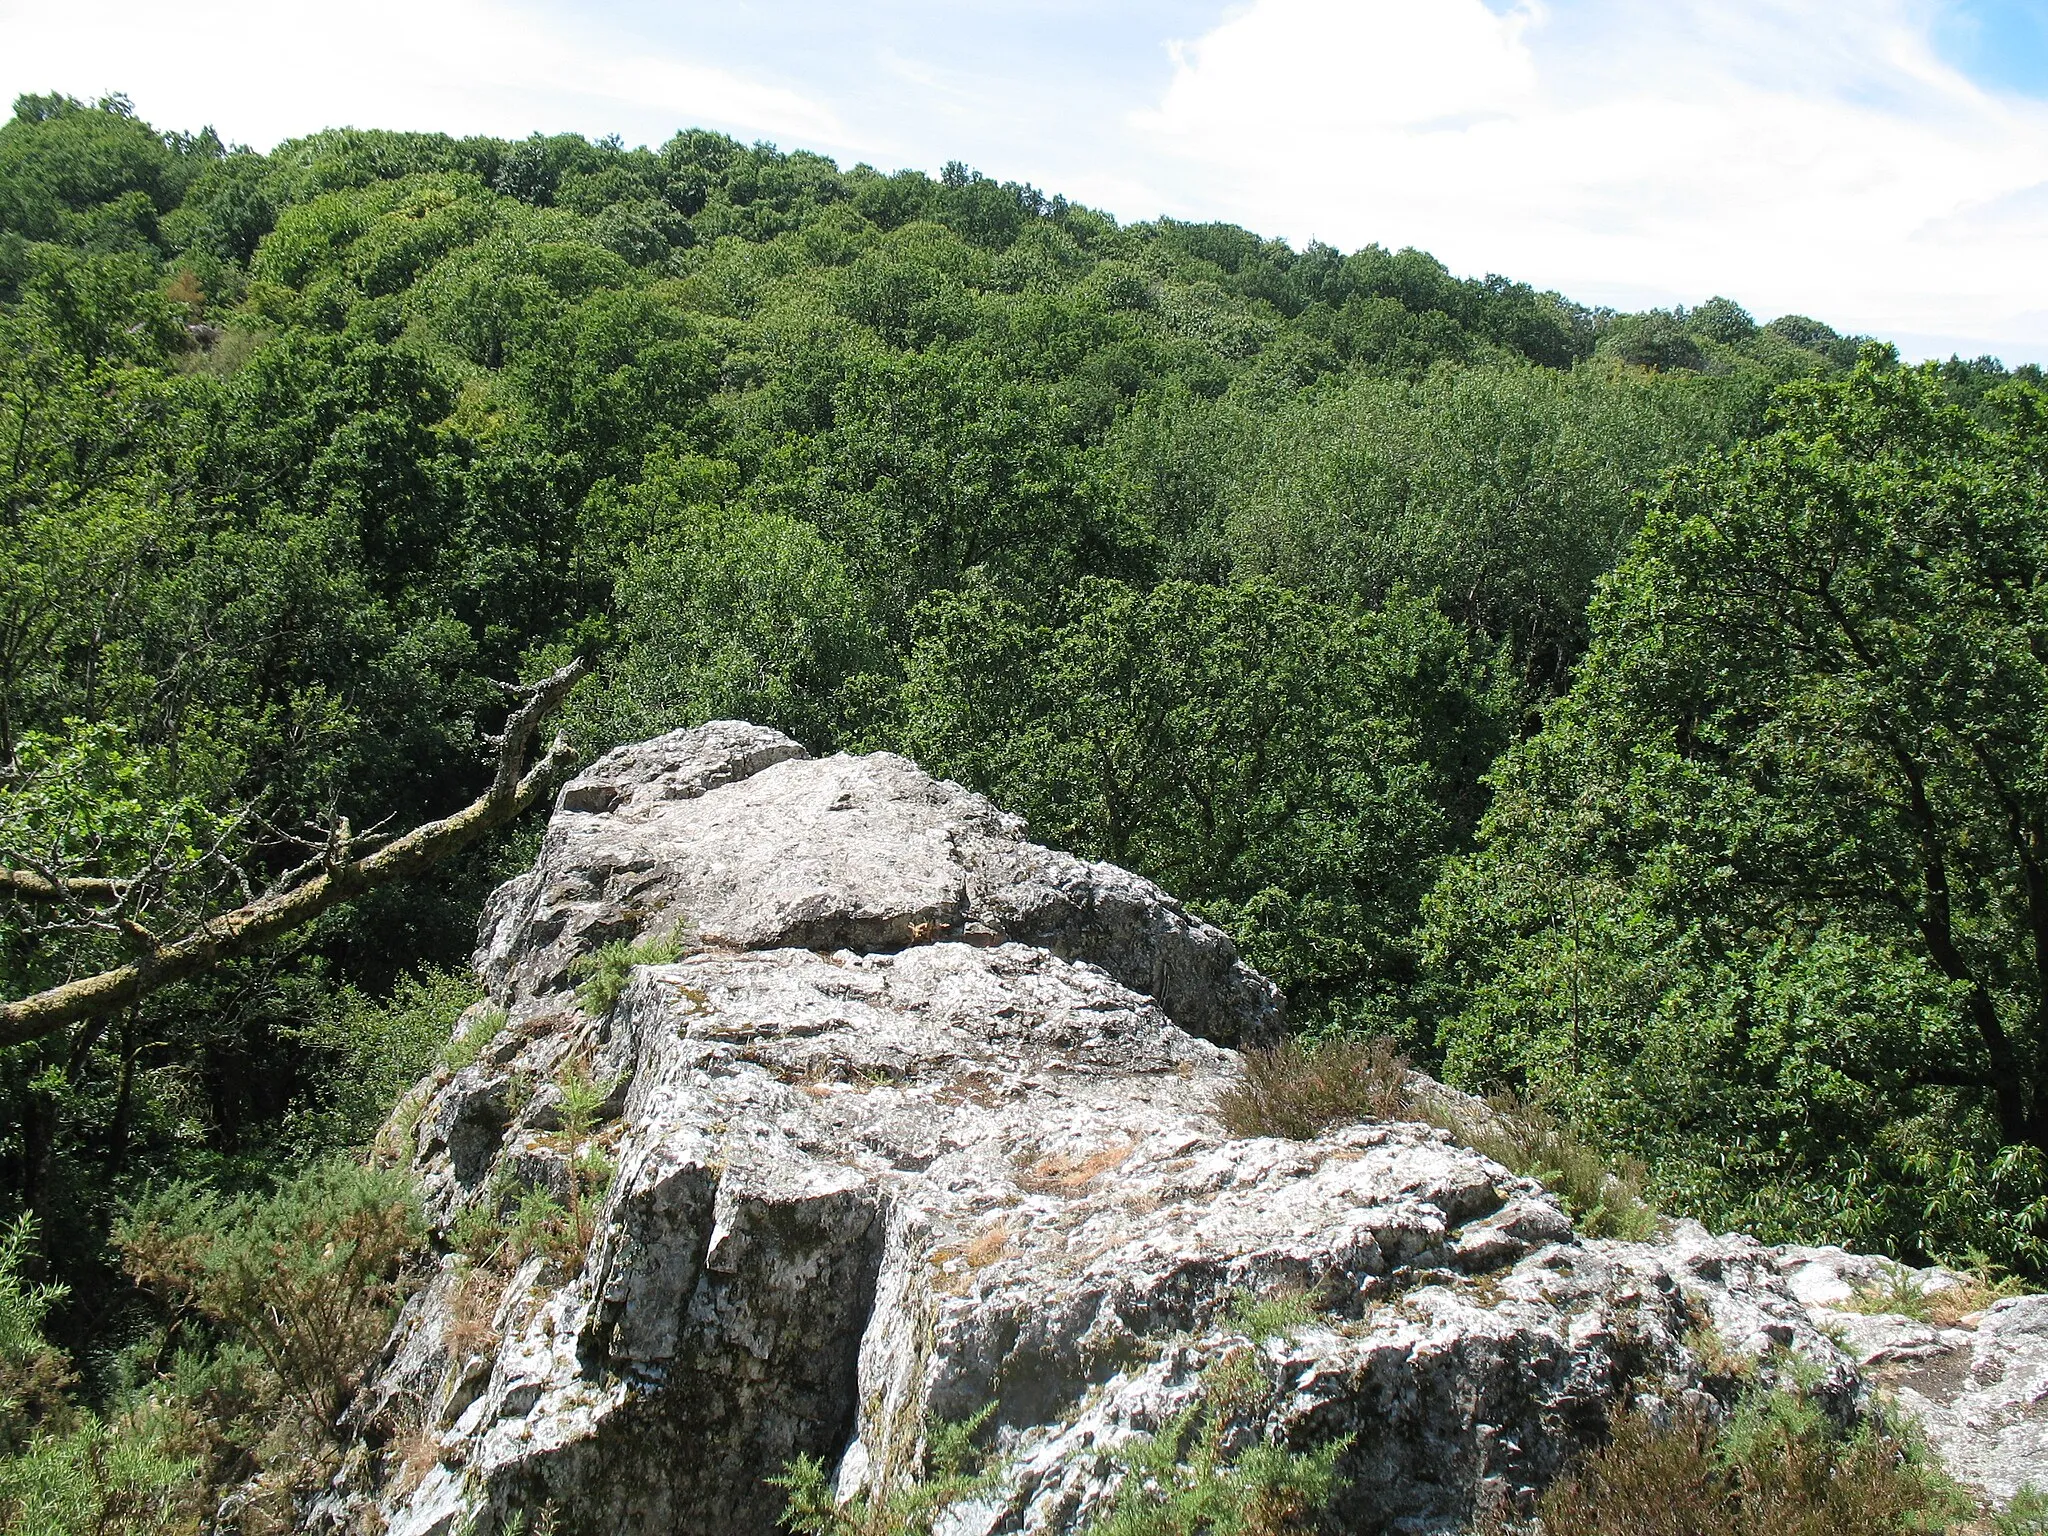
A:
x: 380, y: 1048
x: 309, y: 1276
x: 955, y: 1470
x: 63, y: 1472
x: 1183, y: 1482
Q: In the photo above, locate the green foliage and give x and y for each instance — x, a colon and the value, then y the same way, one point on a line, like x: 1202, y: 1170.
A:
x: 1758, y: 900
x: 1293, y: 770
x: 380, y: 1048
x: 1604, y: 1194
x: 2027, y: 1515
x: 1303, y: 1087
x: 308, y: 1276
x: 62, y: 1472
x: 955, y: 1470
x: 460, y: 1050
x: 33, y: 1375
x: 604, y: 971
x: 1262, y: 1317
x: 123, y: 1476
x: 1234, y: 562
x: 1198, y: 1476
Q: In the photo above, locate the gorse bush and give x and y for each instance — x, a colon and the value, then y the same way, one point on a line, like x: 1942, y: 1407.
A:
x: 33, y: 1375
x: 955, y: 1470
x: 64, y: 1472
x: 309, y: 1277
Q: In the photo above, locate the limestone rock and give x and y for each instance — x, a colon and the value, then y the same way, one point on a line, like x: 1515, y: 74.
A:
x: 730, y: 835
x: 920, y: 1121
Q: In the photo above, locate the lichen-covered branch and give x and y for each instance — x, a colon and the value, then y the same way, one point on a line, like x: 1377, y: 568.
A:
x: 248, y: 928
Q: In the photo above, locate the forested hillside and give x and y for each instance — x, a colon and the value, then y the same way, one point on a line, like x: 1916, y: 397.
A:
x: 1642, y: 714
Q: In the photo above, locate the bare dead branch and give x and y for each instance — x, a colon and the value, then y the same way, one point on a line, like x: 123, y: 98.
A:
x: 344, y: 877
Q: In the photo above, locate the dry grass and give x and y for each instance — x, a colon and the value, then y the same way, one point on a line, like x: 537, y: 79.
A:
x: 1072, y: 1175
x: 989, y: 1247
x: 1604, y: 1195
x: 1300, y: 1090
x: 1902, y: 1293
x: 470, y: 1311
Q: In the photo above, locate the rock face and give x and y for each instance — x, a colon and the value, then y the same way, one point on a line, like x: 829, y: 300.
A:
x: 920, y: 1120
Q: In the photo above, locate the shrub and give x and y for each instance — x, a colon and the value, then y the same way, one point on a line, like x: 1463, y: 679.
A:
x: 1902, y: 1292
x: 1300, y: 1088
x: 64, y: 1472
x: 1779, y: 1467
x: 308, y: 1276
x: 378, y: 1048
x: 2027, y: 1515
x: 957, y: 1471
x: 33, y: 1376
x: 97, y: 1479
x: 604, y: 971
x: 460, y: 1050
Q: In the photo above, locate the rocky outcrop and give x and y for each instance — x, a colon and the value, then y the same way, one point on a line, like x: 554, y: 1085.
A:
x: 919, y: 1121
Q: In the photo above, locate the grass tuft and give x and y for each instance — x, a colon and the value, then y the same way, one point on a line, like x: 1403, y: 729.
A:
x: 1277, y: 1312
x: 1302, y: 1088
x: 1299, y: 1089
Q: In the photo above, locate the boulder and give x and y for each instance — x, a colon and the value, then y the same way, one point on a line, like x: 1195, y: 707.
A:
x: 918, y: 1125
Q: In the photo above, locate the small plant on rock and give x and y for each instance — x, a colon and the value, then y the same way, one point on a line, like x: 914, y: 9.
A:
x: 1187, y: 1481
x: 958, y: 1470
x: 606, y: 969
x: 1276, y: 1312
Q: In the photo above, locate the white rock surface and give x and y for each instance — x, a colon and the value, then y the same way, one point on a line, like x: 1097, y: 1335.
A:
x: 922, y: 1121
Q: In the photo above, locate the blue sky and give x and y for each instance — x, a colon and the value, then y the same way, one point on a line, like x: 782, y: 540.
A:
x: 1882, y: 164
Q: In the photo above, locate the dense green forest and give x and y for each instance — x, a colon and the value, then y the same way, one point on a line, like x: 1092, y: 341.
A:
x: 1641, y: 713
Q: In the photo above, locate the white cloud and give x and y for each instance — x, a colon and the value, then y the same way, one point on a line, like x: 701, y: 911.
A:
x: 265, y: 72
x: 1794, y: 156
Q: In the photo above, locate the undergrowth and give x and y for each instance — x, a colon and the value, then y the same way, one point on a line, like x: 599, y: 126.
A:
x: 1779, y: 1466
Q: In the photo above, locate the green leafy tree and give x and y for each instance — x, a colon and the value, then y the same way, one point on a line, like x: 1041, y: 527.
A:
x: 1772, y: 879
x: 1293, y: 770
